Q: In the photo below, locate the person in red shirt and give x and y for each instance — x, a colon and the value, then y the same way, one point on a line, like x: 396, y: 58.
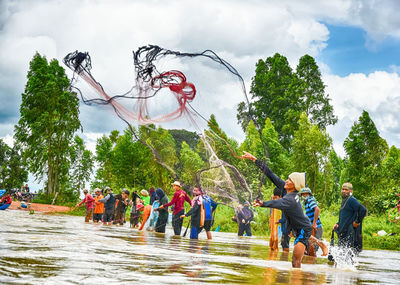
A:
x: 89, y: 201
x: 178, y: 201
x: 5, y: 202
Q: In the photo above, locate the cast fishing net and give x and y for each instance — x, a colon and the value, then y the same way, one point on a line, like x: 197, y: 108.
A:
x: 163, y: 92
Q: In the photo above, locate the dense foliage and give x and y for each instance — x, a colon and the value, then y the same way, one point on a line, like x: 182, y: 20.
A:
x: 46, y: 128
x: 13, y: 171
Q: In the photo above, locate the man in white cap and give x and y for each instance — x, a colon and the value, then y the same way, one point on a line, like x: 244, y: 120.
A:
x: 351, y: 215
x: 291, y: 208
x: 178, y: 201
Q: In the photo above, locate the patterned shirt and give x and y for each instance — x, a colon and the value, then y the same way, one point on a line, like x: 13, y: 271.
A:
x: 309, y: 206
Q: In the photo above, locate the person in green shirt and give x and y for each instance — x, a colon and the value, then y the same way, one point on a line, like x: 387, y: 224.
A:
x: 144, y: 196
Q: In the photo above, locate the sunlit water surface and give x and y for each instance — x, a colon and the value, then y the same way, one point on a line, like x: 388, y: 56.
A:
x: 57, y: 249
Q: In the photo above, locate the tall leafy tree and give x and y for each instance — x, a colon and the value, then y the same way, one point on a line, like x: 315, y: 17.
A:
x: 311, y: 147
x: 310, y: 89
x: 269, y: 93
x: 365, y: 151
x: 282, y: 95
x: 49, y: 118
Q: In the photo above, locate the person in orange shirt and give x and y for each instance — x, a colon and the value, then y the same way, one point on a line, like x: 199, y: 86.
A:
x: 146, y: 214
x: 98, y: 206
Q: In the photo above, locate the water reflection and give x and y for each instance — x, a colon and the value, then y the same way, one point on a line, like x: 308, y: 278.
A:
x: 51, y: 249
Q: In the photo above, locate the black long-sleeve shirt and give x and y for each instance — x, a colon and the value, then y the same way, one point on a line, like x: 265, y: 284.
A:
x: 289, y: 203
x: 195, y: 212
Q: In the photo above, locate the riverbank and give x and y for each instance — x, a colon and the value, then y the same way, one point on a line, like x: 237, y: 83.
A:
x: 45, y: 208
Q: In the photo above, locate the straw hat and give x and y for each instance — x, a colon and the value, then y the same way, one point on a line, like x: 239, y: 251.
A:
x: 177, y: 183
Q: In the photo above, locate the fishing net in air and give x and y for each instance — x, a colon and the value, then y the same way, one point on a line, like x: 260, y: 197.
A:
x: 164, y: 91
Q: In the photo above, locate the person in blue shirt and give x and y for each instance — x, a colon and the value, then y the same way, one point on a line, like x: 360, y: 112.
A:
x: 312, y: 212
x: 351, y: 215
x: 209, y: 208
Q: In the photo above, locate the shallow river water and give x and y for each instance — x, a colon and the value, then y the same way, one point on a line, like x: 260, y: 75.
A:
x: 58, y: 249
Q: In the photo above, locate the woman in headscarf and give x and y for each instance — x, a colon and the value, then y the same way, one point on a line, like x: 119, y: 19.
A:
x: 163, y: 212
x: 153, y: 195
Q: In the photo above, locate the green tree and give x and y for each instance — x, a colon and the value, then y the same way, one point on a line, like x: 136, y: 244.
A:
x: 308, y: 84
x: 282, y: 96
x: 311, y: 147
x: 191, y: 163
x: 82, y: 163
x: 365, y: 151
x: 17, y: 172
x: 104, y: 173
x: 270, y: 97
x: 49, y: 118
x: 220, y: 144
x: 4, y: 157
x: 337, y: 169
x: 180, y: 136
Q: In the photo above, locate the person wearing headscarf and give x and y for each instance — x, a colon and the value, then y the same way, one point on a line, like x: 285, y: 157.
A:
x: 122, y: 205
x: 153, y: 195
x: 291, y: 208
x: 244, y: 217
x: 135, y: 213
x: 109, y: 206
x: 162, y: 212
x: 351, y: 215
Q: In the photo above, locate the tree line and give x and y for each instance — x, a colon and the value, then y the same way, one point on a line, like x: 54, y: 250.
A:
x: 285, y: 125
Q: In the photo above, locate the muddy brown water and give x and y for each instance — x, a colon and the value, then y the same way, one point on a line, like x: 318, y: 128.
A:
x: 58, y: 249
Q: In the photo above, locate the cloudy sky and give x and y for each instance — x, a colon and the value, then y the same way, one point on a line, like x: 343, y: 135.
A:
x: 356, y: 44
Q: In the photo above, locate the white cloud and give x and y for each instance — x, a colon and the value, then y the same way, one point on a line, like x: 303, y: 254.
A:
x: 378, y: 93
x: 239, y: 31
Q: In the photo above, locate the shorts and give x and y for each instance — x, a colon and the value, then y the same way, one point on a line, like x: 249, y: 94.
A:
x: 302, y: 236
x: 97, y: 217
x: 108, y: 216
x: 207, y: 225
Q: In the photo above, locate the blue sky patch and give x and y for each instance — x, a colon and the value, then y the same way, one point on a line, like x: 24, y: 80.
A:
x: 350, y: 51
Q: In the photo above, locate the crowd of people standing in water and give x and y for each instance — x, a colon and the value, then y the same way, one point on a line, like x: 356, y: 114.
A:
x: 304, y: 225
x: 151, y: 209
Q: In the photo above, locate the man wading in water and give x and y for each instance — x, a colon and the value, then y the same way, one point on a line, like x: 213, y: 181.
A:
x: 351, y: 215
x: 178, y: 200
x: 291, y: 208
